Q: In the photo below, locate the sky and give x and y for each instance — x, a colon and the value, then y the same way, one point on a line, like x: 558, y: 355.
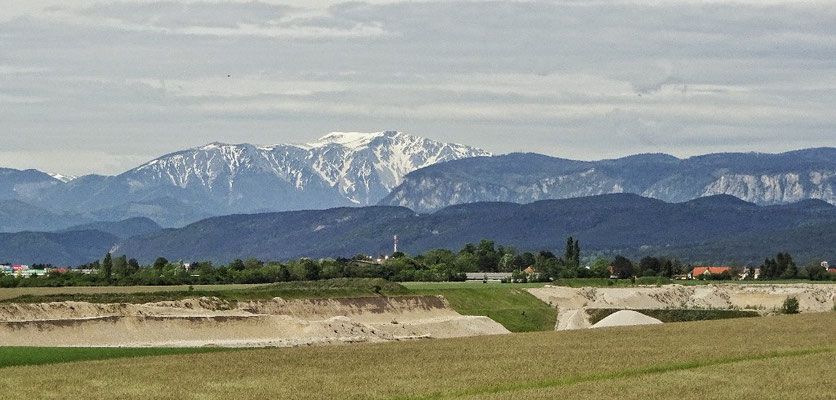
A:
x: 97, y: 86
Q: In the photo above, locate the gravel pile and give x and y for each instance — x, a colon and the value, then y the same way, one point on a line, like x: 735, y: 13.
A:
x: 626, y: 318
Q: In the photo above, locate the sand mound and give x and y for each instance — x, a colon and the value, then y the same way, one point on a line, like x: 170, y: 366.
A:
x: 626, y: 318
x: 212, y: 322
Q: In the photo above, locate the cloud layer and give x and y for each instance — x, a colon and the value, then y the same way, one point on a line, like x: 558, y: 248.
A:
x: 124, y: 81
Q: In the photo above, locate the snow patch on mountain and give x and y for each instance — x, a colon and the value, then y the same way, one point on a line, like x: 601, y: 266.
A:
x: 351, y: 140
x: 62, y: 177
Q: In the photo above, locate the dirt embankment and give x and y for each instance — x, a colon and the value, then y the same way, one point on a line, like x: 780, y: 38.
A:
x: 572, y: 302
x: 212, y: 322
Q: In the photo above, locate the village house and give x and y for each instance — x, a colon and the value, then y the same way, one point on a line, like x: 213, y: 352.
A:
x: 531, y: 273
x: 708, y: 271
x: 20, y: 270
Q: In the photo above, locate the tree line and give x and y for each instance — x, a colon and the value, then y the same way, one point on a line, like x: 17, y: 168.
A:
x: 434, y: 265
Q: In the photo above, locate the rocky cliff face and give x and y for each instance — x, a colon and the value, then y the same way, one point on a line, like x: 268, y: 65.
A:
x: 776, y: 188
x: 763, y: 179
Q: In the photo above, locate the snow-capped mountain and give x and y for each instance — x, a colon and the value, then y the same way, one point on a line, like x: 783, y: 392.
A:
x: 365, y: 167
x: 339, y: 169
x: 342, y: 168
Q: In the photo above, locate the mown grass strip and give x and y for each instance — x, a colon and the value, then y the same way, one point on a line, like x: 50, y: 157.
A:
x: 514, y: 308
x: 330, y: 288
x: 658, y: 369
x: 25, y: 356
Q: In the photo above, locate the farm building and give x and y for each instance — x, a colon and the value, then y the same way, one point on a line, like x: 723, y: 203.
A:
x: 488, y: 276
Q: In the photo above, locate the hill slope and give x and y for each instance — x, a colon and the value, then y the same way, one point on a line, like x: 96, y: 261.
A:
x: 121, y: 229
x: 16, y: 216
x: 624, y: 223
x: 60, y: 249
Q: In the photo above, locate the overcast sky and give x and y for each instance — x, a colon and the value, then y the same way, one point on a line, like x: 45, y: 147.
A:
x: 90, y: 86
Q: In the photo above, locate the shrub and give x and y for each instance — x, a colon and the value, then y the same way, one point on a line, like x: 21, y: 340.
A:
x: 790, y: 306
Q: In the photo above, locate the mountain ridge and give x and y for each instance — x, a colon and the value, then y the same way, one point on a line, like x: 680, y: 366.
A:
x: 760, y: 178
x: 338, y: 169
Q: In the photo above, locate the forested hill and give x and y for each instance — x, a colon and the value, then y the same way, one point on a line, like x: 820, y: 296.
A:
x: 697, y: 230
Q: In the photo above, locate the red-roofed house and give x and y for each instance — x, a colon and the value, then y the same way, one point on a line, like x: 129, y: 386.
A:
x: 531, y: 274
x: 699, y: 271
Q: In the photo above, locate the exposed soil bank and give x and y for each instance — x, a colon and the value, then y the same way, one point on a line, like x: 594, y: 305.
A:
x: 212, y: 322
x: 572, y: 302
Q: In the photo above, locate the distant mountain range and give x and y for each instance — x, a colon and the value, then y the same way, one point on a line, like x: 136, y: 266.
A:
x: 339, y: 169
x: 606, y: 224
x: 430, y: 193
x: 711, y: 230
x: 763, y: 179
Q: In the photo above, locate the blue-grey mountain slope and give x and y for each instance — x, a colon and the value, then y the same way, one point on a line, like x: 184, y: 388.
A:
x: 16, y: 216
x: 17, y: 184
x: 523, y: 178
x: 624, y: 223
x: 63, y: 249
x: 121, y: 229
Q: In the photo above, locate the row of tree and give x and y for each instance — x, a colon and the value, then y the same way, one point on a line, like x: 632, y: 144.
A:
x: 434, y: 265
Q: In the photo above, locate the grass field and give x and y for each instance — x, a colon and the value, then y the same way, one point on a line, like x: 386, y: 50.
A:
x: 20, y: 356
x: 10, y: 293
x: 763, y: 358
x: 508, y: 304
x: 332, y: 288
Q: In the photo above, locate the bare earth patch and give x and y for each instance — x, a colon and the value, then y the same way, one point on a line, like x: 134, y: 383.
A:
x: 213, y: 322
x: 572, y: 302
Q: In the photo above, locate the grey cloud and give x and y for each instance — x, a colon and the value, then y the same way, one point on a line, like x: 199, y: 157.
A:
x: 574, y: 79
x: 170, y: 14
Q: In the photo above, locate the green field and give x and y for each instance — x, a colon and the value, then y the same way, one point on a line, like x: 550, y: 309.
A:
x: 763, y: 358
x: 508, y: 304
x: 10, y: 293
x: 332, y: 288
x: 20, y: 356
